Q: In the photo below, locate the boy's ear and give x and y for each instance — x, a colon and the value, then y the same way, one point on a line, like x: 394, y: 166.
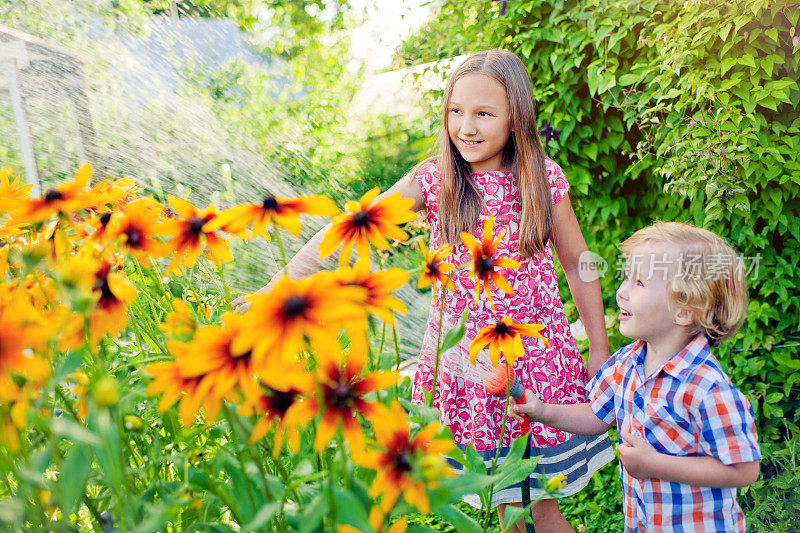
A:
x: 682, y: 317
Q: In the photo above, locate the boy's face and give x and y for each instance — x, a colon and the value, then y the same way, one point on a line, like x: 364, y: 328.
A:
x: 645, y: 311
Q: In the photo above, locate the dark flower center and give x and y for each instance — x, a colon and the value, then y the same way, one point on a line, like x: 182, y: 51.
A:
x: 361, y: 219
x: 105, y: 291
x: 270, y: 204
x: 501, y: 328
x: 341, y: 395
x: 196, y: 225
x: 295, y: 306
x: 487, y: 264
x: 134, y: 237
x: 104, y: 218
x: 433, y: 267
x: 52, y: 195
x: 280, y: 402
x: 402, y: 462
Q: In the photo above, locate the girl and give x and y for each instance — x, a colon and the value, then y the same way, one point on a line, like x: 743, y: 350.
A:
x: 491, y: 163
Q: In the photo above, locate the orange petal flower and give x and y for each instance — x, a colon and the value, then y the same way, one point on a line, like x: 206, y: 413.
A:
x: 281, y: 212
x: 191, y: 236
x: 281, y: 403
x: 401, y: 461
x: 366, y: 222
x: 484, y: 266
x: 343, y: 387
x: 12, y: 194
x: 137, y: 227
x: 435, y: 269
x: 504, y: 337
x: 173, y: 386
x: 316, y: 308
x: 65, y: 198
x: 377, y: 286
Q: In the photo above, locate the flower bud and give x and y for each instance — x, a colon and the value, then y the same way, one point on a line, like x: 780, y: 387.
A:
x: 133, y: 423
x: 106, y: 392
x: 555, y: 484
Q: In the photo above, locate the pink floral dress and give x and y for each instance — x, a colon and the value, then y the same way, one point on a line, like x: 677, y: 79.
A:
x: 556, y: 374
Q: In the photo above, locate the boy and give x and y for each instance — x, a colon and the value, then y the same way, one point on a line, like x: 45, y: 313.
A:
x: 687, y: 435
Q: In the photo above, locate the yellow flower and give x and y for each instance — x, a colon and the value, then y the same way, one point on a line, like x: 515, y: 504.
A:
x: 505, y: 337
x: 366, y: 222
x: 556, y: 483
x: 137, y: 227
x: 282, y: 212
x: 316, y: 308
x: 24, y: 331
x: 483, y: 266
x: 283, y: 404
x: 115, y: 193
x: 378, y: 287
x: 173, y: 386
x: 435, y: 269
x: 190, y: 235
x: 342, y: 390
x: 402, y: 462
x: 65, y: 198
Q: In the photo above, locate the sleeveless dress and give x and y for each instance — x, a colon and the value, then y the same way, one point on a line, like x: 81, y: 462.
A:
x: 556, y: 374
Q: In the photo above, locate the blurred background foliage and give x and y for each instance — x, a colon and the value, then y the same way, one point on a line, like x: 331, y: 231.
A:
x: 667, y: 110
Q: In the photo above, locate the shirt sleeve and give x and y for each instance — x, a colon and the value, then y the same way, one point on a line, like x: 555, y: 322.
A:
x: 428, y: 179
x: 726, y: 427
x: 559, y: 186
x: 603, y: 388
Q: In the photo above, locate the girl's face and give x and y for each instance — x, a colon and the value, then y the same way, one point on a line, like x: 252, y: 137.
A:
x: 479, y: 121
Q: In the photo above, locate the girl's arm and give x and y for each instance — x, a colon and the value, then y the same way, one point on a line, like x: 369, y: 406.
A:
x: 307, y: 261
x: 642, y: 461
x: 576, y: 418
x: 569, y: 246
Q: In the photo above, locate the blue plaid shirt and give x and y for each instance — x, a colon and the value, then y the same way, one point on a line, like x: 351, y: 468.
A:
x: 688, y: 407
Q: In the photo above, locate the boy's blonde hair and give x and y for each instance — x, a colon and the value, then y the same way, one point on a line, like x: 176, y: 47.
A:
x: 708, y: 280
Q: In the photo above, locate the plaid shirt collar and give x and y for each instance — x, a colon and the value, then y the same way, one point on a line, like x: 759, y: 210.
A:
x: 680, y: 365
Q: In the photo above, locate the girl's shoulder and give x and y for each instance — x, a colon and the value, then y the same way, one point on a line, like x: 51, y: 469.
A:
x: 559, y: 186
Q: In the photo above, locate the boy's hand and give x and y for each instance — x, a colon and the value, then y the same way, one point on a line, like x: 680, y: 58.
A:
x: 241, y: 304
x: 637, y: 456
x: 529, y: 405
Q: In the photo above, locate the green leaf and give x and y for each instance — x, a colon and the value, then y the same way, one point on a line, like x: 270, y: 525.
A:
x: 461, y: 521
x: 475, y: 461
x: 454, y: 335
x: 748, y: 60
x: 627, y: 79
x: 74, y: 473
x: 73, y: 431
x: 265, y: 514
x: 512, y: 514
x: 515, y: 473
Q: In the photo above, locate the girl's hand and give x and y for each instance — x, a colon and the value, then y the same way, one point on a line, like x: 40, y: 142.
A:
x: 241, y: 304
x: 595, y: 360
x: 637, y: 456
x: 529, y: 405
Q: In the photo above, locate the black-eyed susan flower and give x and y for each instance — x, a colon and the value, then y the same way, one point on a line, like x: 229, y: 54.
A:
x: 65, y: 198
x: 137, y: 227
x: 316, y: 308
x: 191, y: 394
x: 114, y: 291
x: 378, y: 288
x: 213, y: 359
x: 343, y: 387
x: 282, y: 403
x: 365, y: 222
x: 435, y: 269
x: 377, y: 521
x: 282, y: 212
x: 484, y: 265
x: 505, y: 337
x: 400, y: 460
x: 191, y: 236
x: 115, y: 193
x: 14, y: 405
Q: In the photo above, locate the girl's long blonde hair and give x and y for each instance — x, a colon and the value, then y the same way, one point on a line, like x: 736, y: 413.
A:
x: 459, y: 198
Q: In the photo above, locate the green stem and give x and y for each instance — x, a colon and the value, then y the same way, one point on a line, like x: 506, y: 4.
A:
x: 499, y: 444
x: 279, y: 240
x: 438, y: 349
